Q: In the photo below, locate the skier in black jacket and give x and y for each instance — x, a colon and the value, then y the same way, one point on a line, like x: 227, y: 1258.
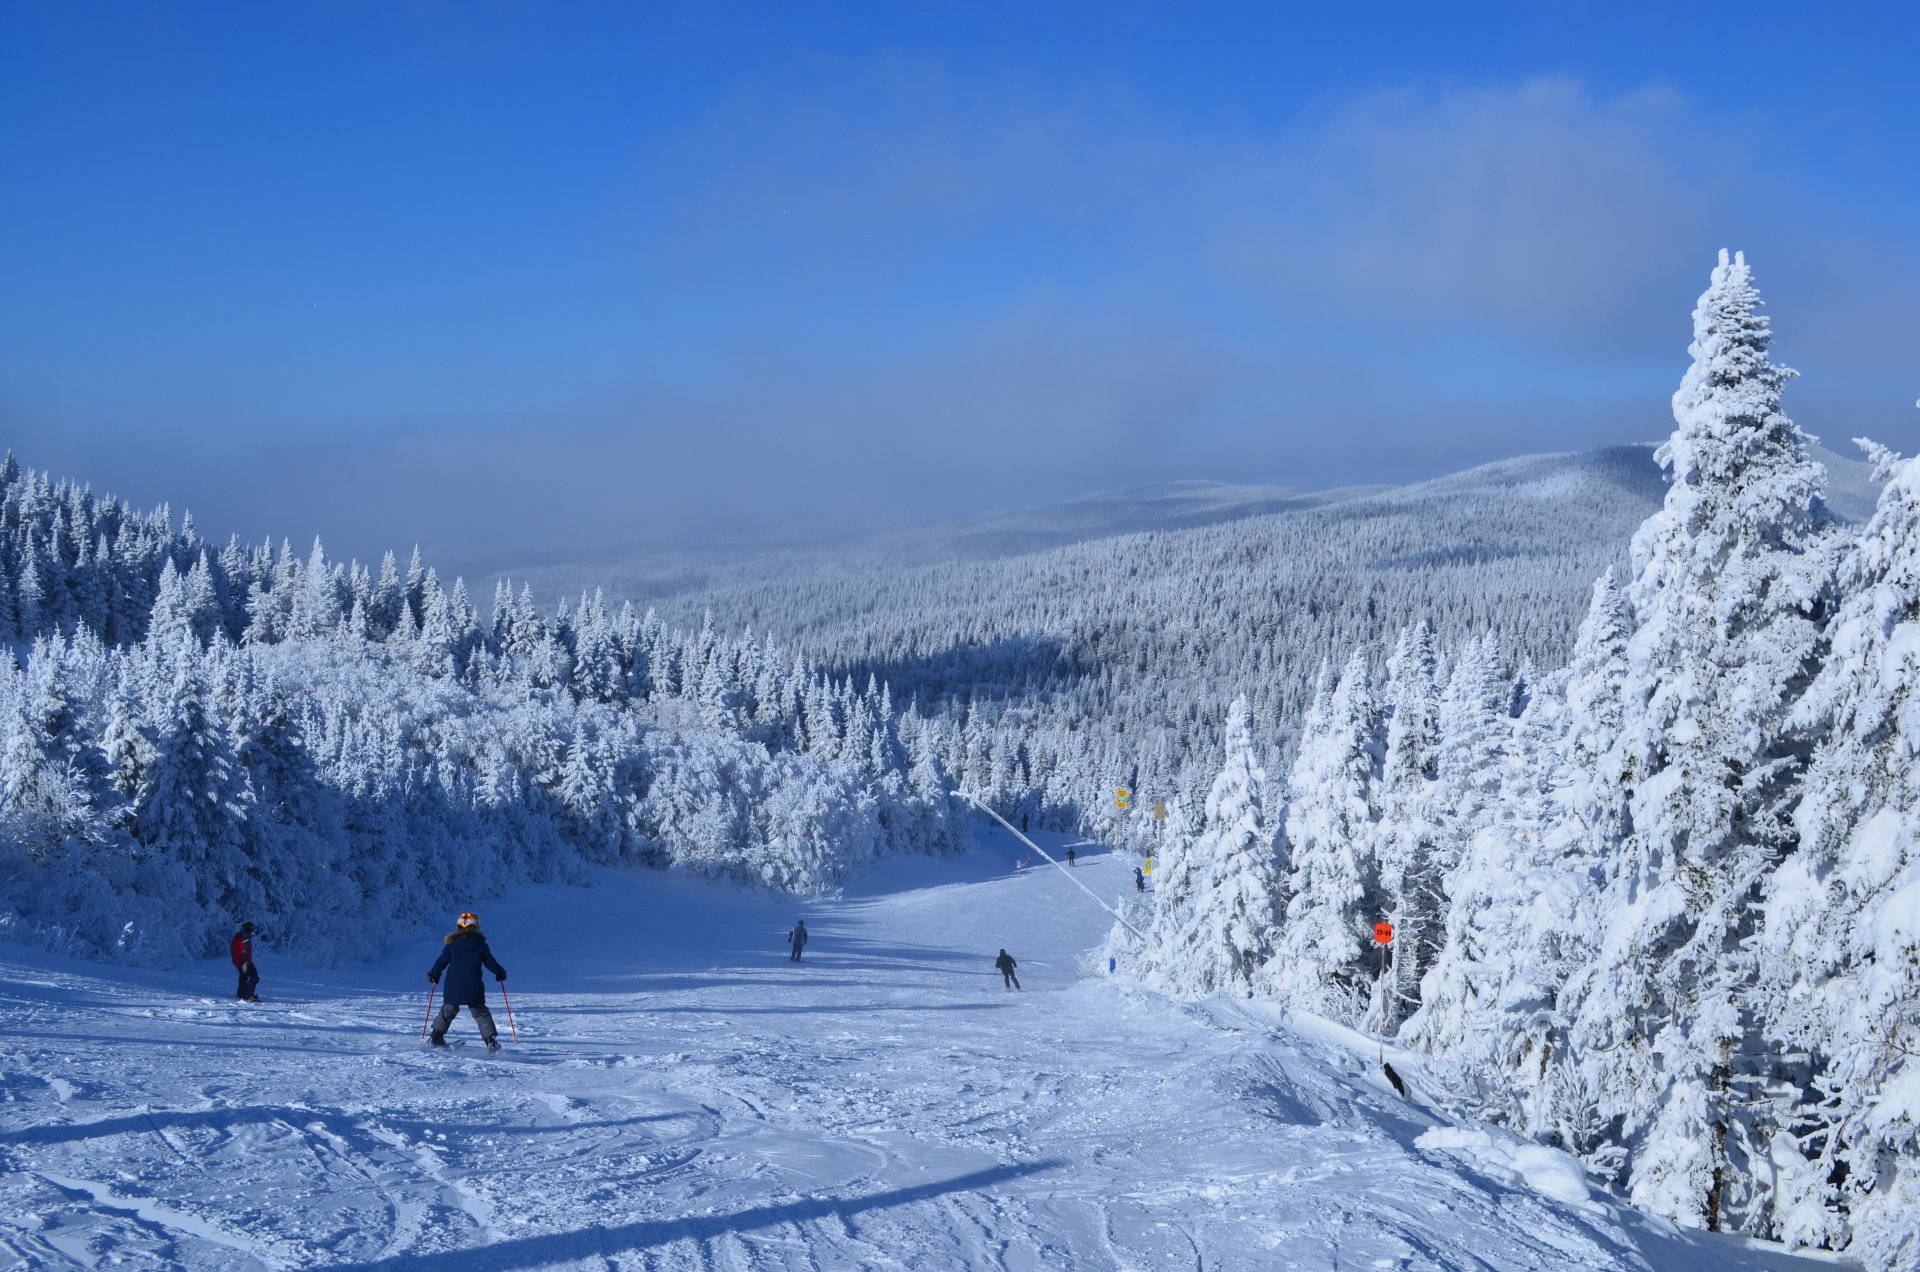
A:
x: 798, y: 939
x: 466, y: 951
x: 1006, y: 964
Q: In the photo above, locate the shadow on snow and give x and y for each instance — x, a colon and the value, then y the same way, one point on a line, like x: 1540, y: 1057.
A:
x: 533, y: 1252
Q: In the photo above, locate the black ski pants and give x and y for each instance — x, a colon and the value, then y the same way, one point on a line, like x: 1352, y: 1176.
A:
x: 1013, y: 982
x: 249, y: 981
x: 481, y: 1017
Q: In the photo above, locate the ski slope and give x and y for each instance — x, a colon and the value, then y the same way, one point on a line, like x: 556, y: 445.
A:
x: 683, y: 1096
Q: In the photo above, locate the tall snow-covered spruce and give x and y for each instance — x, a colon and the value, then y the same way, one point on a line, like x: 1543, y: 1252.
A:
x: 1729, y: 580
x: 1840, y: 952
x: 1333, y: 893
x: 1520, y: 903
x: 1408, y: 836
x: 1219, y: 894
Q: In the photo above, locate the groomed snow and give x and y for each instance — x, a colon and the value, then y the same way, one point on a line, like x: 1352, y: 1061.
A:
x: 683, y: 1096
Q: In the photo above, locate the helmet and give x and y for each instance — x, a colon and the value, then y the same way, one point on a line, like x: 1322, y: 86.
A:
x: 469, y: 919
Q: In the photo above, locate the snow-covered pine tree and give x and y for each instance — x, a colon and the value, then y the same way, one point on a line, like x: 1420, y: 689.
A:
x: 1518, y: 921
x: 195, y: 799
x: 938, y: 818
x: 1322, y: 962
x: 1219, y: 894
x: 315, y: 609
x: 1475, y: 720
x: 433, y: 650
x: 1467, y: 736
x: 596, y: 669
x: 1408, y: 835
x: 1520, y: 903
x: 1840, y: 952
x: 1728, y: 579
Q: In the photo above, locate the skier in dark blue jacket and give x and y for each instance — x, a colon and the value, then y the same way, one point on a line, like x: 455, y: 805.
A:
x: 465, y: 953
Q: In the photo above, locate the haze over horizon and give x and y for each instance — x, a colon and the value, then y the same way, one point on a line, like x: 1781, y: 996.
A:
x: 516, y: 284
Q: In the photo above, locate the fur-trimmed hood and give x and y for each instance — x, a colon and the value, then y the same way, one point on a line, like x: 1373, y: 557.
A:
x: 461, y: 934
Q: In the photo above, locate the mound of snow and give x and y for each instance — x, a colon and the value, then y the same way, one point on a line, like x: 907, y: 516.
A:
x: 1513, y: 1162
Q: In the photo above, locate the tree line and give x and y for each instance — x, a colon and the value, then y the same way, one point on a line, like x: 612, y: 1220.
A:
x: 193, y: 735
x: 1661, y: 906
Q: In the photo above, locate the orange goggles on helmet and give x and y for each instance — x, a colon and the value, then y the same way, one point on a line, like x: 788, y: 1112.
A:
x: 469, y: 920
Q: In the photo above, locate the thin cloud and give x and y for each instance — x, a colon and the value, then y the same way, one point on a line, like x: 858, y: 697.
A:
x: 912, y: 297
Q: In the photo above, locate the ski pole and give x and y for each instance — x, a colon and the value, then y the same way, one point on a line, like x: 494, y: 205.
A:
x: 431, y: 986
x: 509, y: 1005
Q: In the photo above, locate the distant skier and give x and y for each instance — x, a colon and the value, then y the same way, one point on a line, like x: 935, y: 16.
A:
x: 1006, y: 964
x: 466, y: 951
x: 241, y: 948
x: 1069, y: 856
x: 1023, y: 823
x: 798, y: 939
x: 1139, y: 880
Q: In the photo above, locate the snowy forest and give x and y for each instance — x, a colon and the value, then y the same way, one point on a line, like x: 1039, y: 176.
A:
x: 204, y: 733
x: 1651, y: 873
x: 1662, y: 905
x: 1054, y: 674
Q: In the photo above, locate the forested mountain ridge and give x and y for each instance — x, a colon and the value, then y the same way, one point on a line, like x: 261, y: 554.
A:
x: 1113, y: 655
x: 1051, y: 676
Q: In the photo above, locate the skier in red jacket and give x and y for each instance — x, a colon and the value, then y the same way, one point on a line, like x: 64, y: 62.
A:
x: 241, y: 947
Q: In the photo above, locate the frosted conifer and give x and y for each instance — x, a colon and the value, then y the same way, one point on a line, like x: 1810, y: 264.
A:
x: 1840, y: 952
x: 1219, y: 893
x: 1322, y: 962
x: 1408, y: 835
x: 1727, y: 580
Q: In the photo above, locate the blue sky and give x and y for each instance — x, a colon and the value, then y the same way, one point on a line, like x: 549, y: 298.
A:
x: 520, y: 282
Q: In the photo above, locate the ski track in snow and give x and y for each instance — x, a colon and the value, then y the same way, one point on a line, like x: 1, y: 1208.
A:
x: 684, y: 1097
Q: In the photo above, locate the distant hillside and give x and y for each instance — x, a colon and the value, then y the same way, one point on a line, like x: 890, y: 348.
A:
x: 667, y: 573
x: 1116, y: 628
x: 1135, y: 616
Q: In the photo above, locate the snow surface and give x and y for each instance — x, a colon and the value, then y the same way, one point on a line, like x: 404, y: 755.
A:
x: 683, y: 1096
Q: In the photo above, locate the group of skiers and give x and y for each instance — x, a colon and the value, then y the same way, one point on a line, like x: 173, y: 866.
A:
x: 464, y: 953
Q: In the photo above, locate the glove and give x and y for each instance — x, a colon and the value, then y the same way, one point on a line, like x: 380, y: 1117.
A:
x: 500, y: 976
x: 432, y: 979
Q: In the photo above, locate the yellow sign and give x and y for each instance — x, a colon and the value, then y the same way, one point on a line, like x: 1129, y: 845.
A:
x: 1121, y: 796
x: 1148, y: 868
